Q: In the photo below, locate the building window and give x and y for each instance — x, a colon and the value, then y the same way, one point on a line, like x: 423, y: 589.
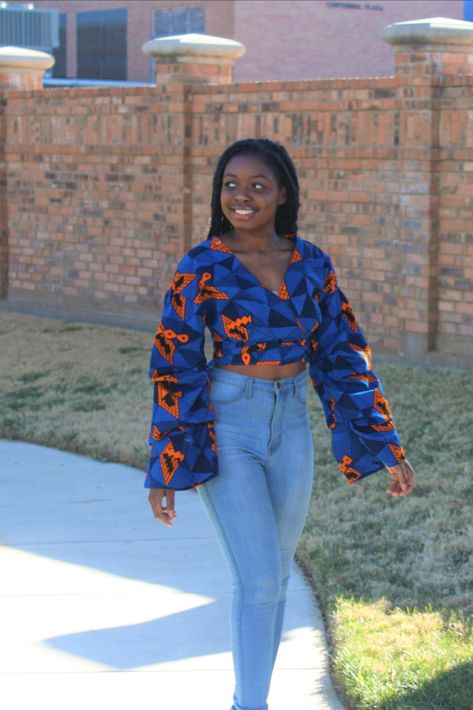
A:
x: 102, y: 45
x: 178, y: 22
x: 59, y: 69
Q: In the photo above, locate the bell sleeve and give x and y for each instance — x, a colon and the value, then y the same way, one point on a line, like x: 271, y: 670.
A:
x: 182, y: 439
x: 364, y: 438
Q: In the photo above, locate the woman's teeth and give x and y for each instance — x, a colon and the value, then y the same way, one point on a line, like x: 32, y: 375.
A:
x: 243, y: 211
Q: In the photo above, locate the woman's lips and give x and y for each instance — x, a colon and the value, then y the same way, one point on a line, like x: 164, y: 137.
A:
x: 242, y: 212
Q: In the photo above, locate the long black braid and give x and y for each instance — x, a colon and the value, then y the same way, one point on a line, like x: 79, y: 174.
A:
x: 278, y: 160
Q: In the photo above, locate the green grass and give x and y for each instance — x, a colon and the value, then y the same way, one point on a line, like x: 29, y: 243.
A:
x: 401, y: 658
x: 393, y: 576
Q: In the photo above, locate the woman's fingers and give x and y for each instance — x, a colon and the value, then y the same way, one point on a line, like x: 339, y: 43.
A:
x: 165, y: 513
x: 403, y: 479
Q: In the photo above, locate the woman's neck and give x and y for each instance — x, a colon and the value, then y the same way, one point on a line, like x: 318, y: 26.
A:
x: 263, y: 242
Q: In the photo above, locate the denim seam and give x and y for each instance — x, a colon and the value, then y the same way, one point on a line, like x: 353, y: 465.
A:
x: 249, y: 388
x: 301, y: 391
x: 238, y: 576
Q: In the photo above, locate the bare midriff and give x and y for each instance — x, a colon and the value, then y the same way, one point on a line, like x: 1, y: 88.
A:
x: 268, y: 372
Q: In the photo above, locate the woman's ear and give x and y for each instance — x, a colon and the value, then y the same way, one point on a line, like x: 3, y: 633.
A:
x: 282, y: 196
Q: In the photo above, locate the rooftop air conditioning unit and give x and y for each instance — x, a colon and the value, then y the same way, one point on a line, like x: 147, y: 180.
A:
x: 23, y: 25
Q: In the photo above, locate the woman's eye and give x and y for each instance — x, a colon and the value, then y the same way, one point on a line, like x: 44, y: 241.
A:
x: 256, y: 185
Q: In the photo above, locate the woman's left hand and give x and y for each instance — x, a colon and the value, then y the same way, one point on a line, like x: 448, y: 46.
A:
x: 403, y: 479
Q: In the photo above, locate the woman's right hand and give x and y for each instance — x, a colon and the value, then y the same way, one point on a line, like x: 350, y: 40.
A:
x: 164, y: 513
x: 403, y: 479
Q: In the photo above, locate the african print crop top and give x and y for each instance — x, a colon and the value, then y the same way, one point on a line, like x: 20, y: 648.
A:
x: 309, y: 319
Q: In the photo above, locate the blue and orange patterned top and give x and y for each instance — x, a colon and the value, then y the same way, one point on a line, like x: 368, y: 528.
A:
x: 308, y: 319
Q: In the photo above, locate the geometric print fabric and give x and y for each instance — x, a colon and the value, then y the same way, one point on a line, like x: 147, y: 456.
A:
x: 309, y: 319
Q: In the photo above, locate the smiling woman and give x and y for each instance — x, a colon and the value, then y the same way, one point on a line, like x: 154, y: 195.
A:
x: 250, y: 191
x: 237, y: 428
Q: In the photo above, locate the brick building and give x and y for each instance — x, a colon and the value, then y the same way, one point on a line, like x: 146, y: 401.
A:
x: 285, y: 39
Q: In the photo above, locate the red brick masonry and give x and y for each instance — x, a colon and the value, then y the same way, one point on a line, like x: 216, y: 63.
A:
x: 103, y: 189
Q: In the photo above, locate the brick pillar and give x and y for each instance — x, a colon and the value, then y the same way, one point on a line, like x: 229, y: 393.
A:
x: 193, y: 59
x: 23, y: 68
x: 19, y: 69
x: 427, y: 54
x: 181, y: 63
x: 435, y: 47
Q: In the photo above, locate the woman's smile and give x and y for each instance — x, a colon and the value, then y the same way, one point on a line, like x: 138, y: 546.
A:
x: 243, y: 213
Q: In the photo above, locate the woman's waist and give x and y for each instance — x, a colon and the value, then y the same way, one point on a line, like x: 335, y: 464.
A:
x: 267, y: 372
x: 253, y: 380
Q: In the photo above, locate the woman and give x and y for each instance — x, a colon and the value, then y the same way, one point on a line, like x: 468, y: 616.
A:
x: 237, y: 428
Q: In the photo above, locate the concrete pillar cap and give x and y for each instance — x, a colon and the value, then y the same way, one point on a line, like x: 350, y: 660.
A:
x: 194, y: 45
x: 432, y: 30
x: 21, y: 58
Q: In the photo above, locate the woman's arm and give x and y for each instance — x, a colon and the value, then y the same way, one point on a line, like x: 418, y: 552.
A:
x: 364, y: 438
x: 183, y: 452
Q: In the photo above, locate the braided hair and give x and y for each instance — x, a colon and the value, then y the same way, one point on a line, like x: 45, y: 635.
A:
x: 278, y: 160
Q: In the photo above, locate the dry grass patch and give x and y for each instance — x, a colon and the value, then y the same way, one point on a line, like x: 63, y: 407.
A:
x: 406, y: 642
x: 75, y: 386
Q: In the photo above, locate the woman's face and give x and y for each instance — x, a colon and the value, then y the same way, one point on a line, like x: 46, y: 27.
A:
x: 250, y: 193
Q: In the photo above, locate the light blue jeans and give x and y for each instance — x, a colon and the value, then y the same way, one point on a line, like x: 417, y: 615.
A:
x: 258, y: 504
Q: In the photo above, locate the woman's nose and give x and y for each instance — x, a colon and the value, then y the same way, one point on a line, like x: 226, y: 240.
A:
x: 240, y: 194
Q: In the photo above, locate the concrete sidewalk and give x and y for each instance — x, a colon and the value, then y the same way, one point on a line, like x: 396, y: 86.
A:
x: 103, y: 605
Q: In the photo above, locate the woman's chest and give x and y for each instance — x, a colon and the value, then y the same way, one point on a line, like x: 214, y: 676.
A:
x: 268, y: 269
x: 238, y: 302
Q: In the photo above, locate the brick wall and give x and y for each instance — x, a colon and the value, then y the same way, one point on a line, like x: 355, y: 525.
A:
x: 107, y: 187
x: 95, y: 198
x: 453, y: 173
x: 3, y: 205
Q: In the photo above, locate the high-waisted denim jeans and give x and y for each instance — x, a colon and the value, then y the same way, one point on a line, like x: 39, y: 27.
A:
x: 258, y: 504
